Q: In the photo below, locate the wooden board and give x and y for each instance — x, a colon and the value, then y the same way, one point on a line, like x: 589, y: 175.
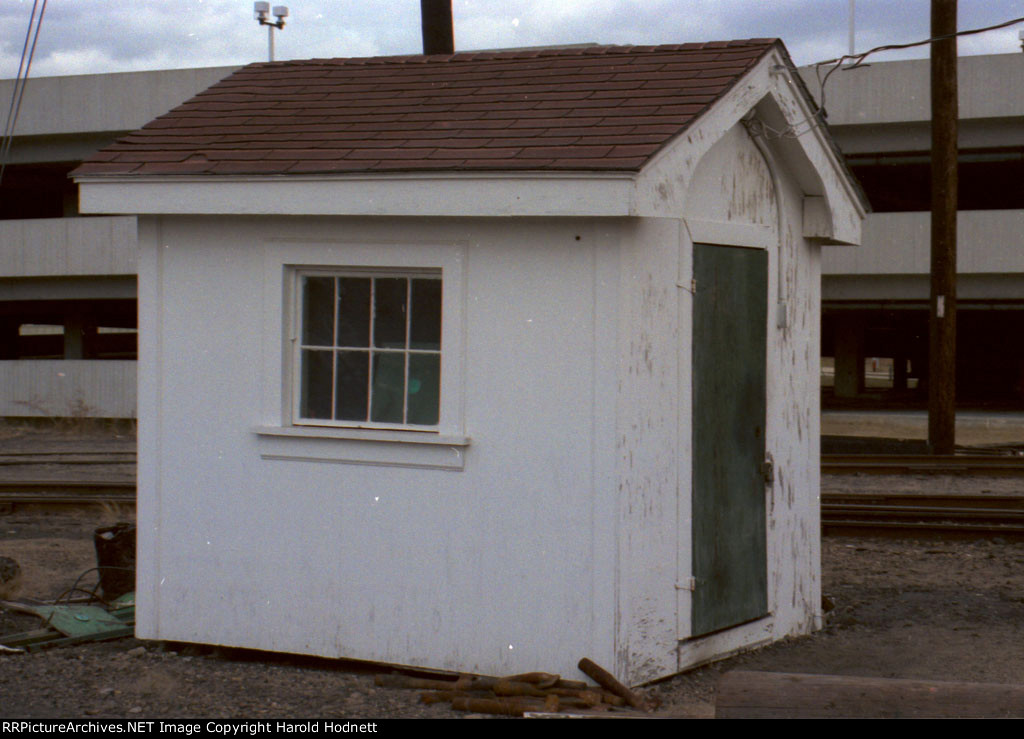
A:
x: 785, y: 695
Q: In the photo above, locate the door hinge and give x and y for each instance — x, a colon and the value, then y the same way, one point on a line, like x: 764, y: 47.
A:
x: 689, y: 583
x: 768, y: 470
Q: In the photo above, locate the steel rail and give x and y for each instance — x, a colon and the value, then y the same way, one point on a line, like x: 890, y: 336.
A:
x: 945, y: 514
x: 921, y: 464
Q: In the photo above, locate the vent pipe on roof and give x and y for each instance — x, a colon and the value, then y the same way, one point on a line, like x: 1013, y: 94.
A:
x: 438, y: 30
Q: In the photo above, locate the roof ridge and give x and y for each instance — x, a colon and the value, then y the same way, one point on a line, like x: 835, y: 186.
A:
x: 523, y: 53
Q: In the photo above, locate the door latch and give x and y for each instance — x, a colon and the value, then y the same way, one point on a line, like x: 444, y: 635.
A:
x: 768, y: 470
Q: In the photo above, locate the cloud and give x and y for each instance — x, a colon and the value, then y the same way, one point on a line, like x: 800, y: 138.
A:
x: 89, y: 36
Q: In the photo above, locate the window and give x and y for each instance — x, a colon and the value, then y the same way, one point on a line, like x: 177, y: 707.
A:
x: 368, y: 349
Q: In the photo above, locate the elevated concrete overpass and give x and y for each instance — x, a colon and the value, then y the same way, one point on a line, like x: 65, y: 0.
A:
x: 875, y: 297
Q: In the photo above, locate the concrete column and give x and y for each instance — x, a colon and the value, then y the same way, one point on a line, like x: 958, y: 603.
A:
x: 899, y: 373
x: 70, y: 203
x: 849, y: 346
x: 9, y: 339
x: 78, y: 335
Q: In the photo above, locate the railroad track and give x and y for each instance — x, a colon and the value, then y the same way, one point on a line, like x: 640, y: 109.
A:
x: 915, y: 513
x: 64, y: 493
x: 74, y: 477
x: 899, y: 464
x: 14, y: 459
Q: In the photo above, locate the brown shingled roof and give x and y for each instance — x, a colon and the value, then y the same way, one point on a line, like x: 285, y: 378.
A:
x: 607, y: 108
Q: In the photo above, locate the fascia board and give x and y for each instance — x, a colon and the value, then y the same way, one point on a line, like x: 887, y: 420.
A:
x: 680, y: 157
x: 770, y: 78
x: 825, y: 148
x: 492, y: 194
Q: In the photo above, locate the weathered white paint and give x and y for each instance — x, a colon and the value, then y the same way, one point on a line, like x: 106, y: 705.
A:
x: 650, y: 464
x: 78, y: 388
x: 730, y: 234
x: 794, y: 588
x: 765, y: 100
x: 549, y: 519
x: 900, y: 243
x: 552, y: 531
x: 495, y: 562
x: 43, y: 247
x: 443, y: 194
x: 817, y: 220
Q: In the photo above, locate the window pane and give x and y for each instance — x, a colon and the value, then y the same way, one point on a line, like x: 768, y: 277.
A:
x: 352, y: 386
x: 318, y: 311
x: 388, y: 387
x: 315, y: 401
x: 354, y: 311
x: 425, y: 331
x: 389, y: 313
x: 424, y: 388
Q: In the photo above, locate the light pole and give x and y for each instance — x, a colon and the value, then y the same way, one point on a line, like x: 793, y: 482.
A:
x: 261, y: 10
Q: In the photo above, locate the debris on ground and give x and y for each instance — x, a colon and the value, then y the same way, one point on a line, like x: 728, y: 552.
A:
x: 72, y: 623
x: 526, y: 693
x: 10, y: 577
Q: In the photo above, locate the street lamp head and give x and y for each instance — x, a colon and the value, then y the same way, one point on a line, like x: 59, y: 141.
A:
x: 262, y: 10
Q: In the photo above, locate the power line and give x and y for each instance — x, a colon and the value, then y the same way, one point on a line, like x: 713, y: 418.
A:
x: 889, y: 47
x: 816, y: 118
x: 858, y: 59
x: 27, y: 52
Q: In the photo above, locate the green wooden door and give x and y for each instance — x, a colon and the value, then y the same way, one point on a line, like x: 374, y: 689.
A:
x: 729, y: 350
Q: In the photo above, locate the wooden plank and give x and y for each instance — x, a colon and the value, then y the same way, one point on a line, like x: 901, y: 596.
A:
x: 607, y: 681
x: 785, y: 695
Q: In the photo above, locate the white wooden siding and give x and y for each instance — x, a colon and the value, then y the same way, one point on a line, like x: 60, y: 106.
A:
x: 497, y: 566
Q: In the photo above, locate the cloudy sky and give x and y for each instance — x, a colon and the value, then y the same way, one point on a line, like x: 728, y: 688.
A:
x: 92, y: 36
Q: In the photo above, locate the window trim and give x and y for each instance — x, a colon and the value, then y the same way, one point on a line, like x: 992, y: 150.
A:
x: 276, y: 437
x: 295, y: 346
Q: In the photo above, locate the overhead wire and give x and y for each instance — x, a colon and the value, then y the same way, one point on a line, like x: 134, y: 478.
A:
x: 24, y: 66
x: 816, y: 118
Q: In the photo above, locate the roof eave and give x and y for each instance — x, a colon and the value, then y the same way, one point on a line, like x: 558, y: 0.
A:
x: 497, y: 193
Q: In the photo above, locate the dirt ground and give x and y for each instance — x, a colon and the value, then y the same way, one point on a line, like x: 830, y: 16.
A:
x: 912, y: 609
x: 929, y: 609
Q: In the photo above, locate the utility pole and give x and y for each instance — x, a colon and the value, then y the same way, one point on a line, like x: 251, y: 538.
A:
x: 437, y: 25
x: 942, y: 324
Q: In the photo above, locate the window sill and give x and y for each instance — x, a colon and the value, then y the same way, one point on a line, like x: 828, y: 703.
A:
x: 375, y: 447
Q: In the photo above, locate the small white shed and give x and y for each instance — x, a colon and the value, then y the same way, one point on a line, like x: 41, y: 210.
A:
x: 485, y: 362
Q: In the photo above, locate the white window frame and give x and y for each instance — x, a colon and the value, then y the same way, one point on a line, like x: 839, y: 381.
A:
x: 297, y: 347
x: 278, y: 435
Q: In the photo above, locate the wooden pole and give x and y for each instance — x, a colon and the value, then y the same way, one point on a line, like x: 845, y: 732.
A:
x: 942, y: 325
x: 436, y: 23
